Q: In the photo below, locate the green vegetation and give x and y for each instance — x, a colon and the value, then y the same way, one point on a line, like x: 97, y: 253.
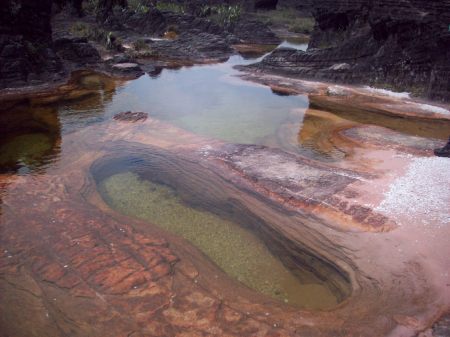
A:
x: 26, y: 149
x: 303, y: 25
x: 94, y: 33
x: 293, y: 20
x: 171, y: 7
x: 139, y: 6
x: 225, y: 16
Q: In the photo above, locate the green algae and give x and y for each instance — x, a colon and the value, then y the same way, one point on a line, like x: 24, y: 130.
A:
x: 25, y: 149
x: 237, y: 251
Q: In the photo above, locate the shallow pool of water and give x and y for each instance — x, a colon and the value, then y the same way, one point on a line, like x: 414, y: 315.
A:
x: 237, y: 251
x: 210, y: 101
x: 294, y: 45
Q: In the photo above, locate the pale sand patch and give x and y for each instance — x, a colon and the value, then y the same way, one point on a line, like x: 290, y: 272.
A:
x: 422, y: 193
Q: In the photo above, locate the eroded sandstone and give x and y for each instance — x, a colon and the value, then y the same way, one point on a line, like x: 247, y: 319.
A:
x: 68, y: 260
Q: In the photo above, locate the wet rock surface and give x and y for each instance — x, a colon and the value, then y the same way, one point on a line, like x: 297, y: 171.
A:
x: 69, y: 259
x: 398, y: 44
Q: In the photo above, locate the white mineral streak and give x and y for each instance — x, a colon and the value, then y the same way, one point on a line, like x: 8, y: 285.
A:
x: 387, y: 92
x: 433, y: 108
x: 422, y: 194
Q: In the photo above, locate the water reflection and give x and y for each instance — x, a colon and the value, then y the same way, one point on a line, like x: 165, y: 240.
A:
x: 294, y: 45
x: 29, y: 139
x: 210, y: 101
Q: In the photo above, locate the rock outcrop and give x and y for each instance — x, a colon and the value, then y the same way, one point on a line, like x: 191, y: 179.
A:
x: 25, y: 43
x: 249, y: 5
x: 443, y: 152
x: 398, y: 44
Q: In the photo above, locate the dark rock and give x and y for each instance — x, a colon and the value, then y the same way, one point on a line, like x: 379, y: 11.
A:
x: 121, y: 58
x: 155, y: 23
x: 132, y: 70
x: 442, y: 327
x: 305, y: 6
x: 75, y: 6
x: 255, y: 32
x: 77, y: 50
x: 25, y: 43
x: 129, y: 116
x: 105, y: 8
x: 194, y: 47
x: 444, y: 152
x: 401, y: 44
x: 152, y: 23
x: 266, y: 4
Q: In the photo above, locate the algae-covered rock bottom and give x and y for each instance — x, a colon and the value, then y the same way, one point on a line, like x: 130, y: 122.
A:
x: 234, y: 249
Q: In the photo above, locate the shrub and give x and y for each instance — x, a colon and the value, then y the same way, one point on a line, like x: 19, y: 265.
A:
x: 289, y: 18
x: 139, y: 6
x: 304, y: 26
x: 224, y: 15
x: 94, y: 33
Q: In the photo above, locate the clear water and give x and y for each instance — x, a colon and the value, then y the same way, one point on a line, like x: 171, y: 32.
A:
x: 208, y: 100
x: 290, y: 44
x: 237, y: 251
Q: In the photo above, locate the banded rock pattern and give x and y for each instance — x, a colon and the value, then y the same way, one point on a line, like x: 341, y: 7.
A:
x: 400, y: 44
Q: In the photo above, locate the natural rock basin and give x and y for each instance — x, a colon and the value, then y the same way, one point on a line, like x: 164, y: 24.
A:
x: 317, y: 185
x: 234, y: 249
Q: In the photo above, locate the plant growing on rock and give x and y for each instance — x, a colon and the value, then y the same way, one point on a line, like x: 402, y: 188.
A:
x: 171, y: 7
x: 304, y: 26
x: 224, y: 15
x: 139, y: 6
x: 94, y: 33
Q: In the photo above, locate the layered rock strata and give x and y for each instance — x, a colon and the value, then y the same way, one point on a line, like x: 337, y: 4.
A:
x: 404, y: 45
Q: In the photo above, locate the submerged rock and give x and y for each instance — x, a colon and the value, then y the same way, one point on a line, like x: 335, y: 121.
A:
x: 128, y: 116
